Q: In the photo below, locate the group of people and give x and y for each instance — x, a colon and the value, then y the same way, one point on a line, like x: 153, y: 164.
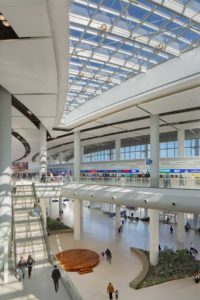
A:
x: 108, y: 254
x: 22, y: 264
x: 111, y: 290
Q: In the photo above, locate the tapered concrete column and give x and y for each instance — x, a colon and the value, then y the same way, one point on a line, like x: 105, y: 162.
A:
x: 196, y: 150
x: 5, y: 178
x: 60, y: 206
x: 117, y: 216
x: 50, y: 208
x: 155, y: 153
x: 180, y: 230
x: 181, y: 139
x: 117, y: 148
x: 146, y: 212
x: 77, y: 155
x: 61, y: 157
x: 43, y: 150
x: 82, y: 153
x: 77, y: 219
x: 195, y: 220
x: 154, y: 236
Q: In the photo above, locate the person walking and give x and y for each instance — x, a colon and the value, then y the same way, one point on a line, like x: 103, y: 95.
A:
x: 110, y: 290
x: 56, y: 275
x: 108, y: 254
x: 116, y: 294
x: 21, y: 268
x: 30, y: 262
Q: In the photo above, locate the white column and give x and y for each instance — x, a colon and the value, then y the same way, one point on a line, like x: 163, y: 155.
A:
x: 117, y: 216
x: 155, y: 151
x: 50, y: 208
x: 117, y: 148
x: 154, y: 236
x: 146, y: 212
x: 60, y: 206
x: 77, y: 155
x: 43, y: 150
x: 195, y: 220
x: 82, y: 153
x: 77, y: 219
x: 180, y: 230
x: 61, y: 155
x: 181, y: 139
x: 5, y: 177
x: 6, y: 267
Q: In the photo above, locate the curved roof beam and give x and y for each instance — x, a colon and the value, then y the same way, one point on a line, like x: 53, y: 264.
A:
x: 25, y: 144
x: 162, y: 199
x: 58, y: 13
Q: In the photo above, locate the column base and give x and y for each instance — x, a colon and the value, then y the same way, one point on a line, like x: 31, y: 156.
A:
x: 180, y: 246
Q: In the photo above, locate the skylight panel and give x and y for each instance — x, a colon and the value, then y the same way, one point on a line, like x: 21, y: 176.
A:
x: 114, y: 40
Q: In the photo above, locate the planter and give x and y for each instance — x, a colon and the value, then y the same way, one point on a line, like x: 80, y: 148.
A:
x: 60, y: 231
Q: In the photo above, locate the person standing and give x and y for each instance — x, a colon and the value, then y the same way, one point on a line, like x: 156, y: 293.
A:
x: 56, y: 275
x: 110, y: 290
x: 21, y: 268
x: 30, y: 262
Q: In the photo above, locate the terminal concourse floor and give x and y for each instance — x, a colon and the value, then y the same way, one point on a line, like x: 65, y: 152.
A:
x: 39, y: 287
x: 99, y: 233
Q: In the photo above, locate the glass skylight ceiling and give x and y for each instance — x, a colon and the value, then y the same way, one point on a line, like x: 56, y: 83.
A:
x: 113, y: 40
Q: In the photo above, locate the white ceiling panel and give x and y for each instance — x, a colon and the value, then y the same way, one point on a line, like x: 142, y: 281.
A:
x: 28, y: 66
x: 59, y: 141
x: 106, y: 130
x: 29, y: 133
x: 21, y: 122
x: 130, y: 113
x: 48, y: 122
x: 27, y: 17
x: 167, y: 129
x: 192, y: 125
x: 16, y: 112
x: 17, y: 148
x: 187, y: 116
x: 89, y: 134
x: 40, y: 105
x: 89, y: 125
x: 178, y: 101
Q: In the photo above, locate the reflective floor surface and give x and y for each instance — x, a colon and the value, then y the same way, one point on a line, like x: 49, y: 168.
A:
x: 99, y: 233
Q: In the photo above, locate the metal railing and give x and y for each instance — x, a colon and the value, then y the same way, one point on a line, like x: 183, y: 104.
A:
x: 167, y: 183
x: 43, y: 229
x: 67, y: 282
x: 164, y: 182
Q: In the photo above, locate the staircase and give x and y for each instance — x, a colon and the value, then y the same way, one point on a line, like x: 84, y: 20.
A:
x: 28, y: 229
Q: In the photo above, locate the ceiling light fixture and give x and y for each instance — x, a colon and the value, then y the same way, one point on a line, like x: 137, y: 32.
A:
x: 161, y: 46
x: 103, y: 27
x: 5, y: 23
x: 108, y: 80
x: 2, y: 18
x: 81, y: 74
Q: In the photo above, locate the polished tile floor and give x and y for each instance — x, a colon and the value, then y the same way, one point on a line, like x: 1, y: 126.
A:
x: 98, y: 233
